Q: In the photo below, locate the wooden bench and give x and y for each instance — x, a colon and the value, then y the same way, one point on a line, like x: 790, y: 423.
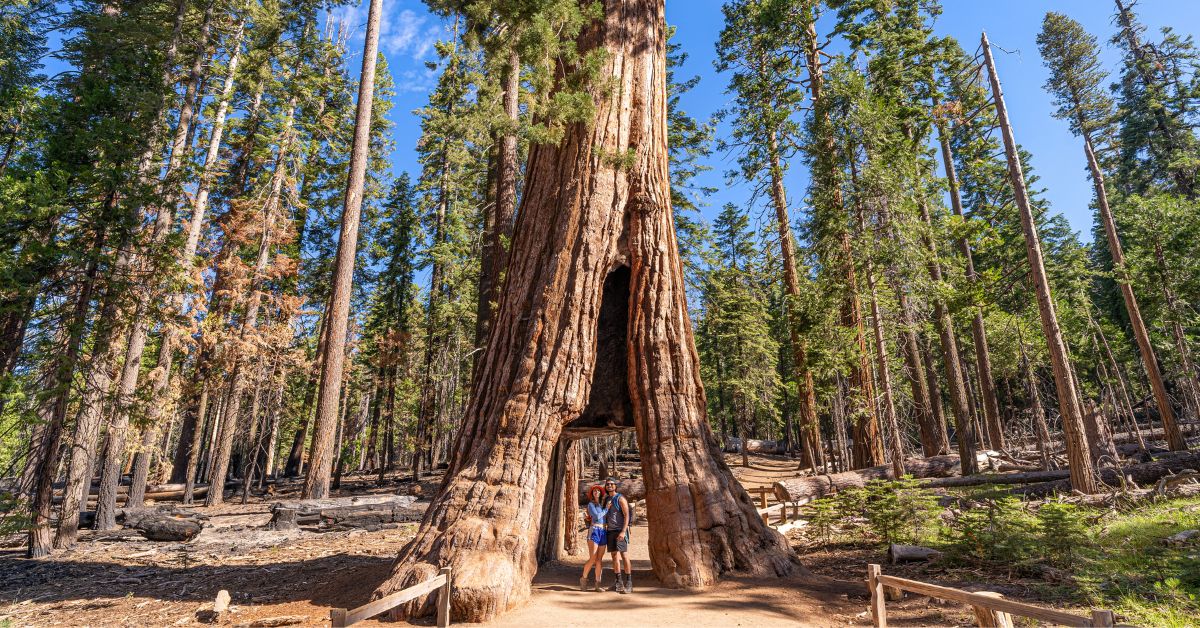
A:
x: 991, y: 610
x: 340, y: 617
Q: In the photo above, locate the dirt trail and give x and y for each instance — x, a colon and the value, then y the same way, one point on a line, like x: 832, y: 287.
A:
x: 557, y: 601
x: 119, y: 579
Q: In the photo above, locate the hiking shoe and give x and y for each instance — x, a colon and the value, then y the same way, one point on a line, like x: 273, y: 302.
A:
x: 628, y: 584
x: 617, y: 586
x: 596, y: 587
x: 583, y: 583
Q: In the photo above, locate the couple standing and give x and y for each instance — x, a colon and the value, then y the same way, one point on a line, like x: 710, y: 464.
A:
x: 609, y: 517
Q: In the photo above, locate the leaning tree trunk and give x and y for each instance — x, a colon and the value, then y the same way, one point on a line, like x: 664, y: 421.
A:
x: 1082, y: 476
x: 944, y: 323
x: 160, y: 386
x: 1166, y: 412
x: 868, y: 439
x: 499, y: 216
x: 586, y: 215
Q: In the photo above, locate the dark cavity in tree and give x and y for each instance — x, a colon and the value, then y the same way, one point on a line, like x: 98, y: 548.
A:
x: 609, y: 407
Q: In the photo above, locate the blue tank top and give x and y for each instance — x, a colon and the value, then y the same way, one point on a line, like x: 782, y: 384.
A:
x: 597, y: 512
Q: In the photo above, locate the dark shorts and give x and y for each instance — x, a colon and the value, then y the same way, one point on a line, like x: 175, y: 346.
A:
x: 617, y: 546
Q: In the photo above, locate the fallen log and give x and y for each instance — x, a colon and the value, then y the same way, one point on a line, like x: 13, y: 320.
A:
x: 979, y: 479
x: 131, y: 517
x: 164, y: 527
x: 346, y: 512
x: 910, y: 553
x: 1144, y: 474
x: 808, y: 488
x: 754, y: 446
x: 632, y: 488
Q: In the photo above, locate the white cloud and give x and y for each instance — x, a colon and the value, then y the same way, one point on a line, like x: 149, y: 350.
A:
x: 401, y: 32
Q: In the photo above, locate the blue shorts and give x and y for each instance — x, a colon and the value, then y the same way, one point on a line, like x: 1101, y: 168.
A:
x: 598, y: 536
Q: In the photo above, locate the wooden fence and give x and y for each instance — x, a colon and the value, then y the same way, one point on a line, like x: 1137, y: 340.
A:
x: 991, y: 610
x: 341, y: 617
x: 781, y: 508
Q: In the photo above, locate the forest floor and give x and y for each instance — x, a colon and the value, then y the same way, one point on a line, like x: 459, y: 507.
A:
x: 295, y: 577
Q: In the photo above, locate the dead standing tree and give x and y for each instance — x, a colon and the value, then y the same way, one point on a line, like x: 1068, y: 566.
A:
x: 595, y: 214
x: 1082, y: 472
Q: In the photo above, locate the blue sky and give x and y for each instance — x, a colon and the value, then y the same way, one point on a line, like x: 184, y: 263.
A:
x: 409, y: 31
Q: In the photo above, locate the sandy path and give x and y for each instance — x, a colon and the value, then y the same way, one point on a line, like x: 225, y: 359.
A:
x: 557, y: 601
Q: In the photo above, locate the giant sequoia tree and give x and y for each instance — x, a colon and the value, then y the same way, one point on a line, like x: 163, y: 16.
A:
x: 594, y: 224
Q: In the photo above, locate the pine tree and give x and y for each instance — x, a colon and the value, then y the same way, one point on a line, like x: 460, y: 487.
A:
x: 738, y: 322
x: 753, y: 45
x: 1075, y: 81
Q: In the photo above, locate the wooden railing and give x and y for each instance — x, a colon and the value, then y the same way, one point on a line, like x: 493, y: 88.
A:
x: 991, y: 610
x: 341, y: 617
x: 766, y: 511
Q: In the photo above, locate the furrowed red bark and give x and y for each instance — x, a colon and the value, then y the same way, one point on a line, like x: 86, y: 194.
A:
x: 588, y: 214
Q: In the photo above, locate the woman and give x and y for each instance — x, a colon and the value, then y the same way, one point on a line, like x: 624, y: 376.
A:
x: 597, y: 537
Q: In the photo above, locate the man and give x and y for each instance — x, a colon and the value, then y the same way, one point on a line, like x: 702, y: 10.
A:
x: 616, y: 525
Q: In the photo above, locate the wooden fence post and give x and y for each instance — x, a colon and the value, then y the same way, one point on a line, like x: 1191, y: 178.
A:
x: 988, y: 618
x: 1103, y: 618
x: 337, y: 617
x: 878, y: 604
x: 443, y: 611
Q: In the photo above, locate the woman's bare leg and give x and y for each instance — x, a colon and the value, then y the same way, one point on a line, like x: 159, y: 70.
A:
x: 591, y: 557
x: 598, y: 557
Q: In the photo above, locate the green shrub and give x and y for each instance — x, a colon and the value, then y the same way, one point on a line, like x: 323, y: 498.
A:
x: 990, y: 531
x: 1062, y: 531
x: 899, y: 511
x: 823, y: 519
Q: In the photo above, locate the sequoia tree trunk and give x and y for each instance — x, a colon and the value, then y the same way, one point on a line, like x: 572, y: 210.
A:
x: 594, y: 205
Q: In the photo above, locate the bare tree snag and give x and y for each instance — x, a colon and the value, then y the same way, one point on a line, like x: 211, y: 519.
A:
x: 316, y: 480
x: 1082, y: 476
x: 595, y: 204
